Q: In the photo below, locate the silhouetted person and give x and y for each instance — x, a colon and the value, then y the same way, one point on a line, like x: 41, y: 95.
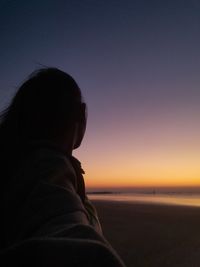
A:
x: 46, y: 218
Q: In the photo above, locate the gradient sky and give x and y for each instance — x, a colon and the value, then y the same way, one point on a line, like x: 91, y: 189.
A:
x: 138, y: 65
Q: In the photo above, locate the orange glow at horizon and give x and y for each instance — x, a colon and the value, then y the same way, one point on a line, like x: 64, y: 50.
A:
x: 116, y: 182
x: 147, y: 171
x: 138, y: 178
x: 165, y: 152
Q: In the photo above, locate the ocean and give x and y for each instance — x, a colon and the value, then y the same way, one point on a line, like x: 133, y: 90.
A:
x: 170, y: 198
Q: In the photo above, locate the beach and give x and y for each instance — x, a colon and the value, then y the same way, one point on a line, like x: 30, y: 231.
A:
x: 152, y: 234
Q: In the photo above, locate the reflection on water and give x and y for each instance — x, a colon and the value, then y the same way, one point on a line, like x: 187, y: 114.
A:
x: 186, y: 200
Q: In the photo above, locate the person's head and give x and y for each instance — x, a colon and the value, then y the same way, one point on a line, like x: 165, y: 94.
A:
x: 47, y: 106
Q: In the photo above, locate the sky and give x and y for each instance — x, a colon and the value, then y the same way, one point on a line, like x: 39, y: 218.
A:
x: 137, y: 64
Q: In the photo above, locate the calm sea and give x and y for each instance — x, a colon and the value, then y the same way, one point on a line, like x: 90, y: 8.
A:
x: 185, y: 199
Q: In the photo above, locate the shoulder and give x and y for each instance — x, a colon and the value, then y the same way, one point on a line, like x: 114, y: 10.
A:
x: 49, y: 165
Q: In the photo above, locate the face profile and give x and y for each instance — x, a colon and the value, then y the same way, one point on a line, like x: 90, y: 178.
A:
x: 80, y: 127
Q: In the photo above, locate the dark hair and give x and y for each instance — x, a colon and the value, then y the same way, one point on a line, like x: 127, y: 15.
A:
x: 45, y: 106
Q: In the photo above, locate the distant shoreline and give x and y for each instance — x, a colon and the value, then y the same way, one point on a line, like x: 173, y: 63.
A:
x: 151, y: 192
x: 167, y: 198
x: 102, y: 193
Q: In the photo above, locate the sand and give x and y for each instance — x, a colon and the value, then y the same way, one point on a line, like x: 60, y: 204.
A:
x: 152, y: 234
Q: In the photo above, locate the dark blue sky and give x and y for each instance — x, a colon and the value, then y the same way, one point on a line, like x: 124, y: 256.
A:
x: 137, y: 63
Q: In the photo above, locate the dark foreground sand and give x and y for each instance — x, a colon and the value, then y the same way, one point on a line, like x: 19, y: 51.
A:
x: 152, y: 235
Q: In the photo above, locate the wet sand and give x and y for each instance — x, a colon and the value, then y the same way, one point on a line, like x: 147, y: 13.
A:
x: 152, y: 234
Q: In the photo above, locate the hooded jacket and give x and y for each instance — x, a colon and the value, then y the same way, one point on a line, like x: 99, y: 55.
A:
x: 47, y: 217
